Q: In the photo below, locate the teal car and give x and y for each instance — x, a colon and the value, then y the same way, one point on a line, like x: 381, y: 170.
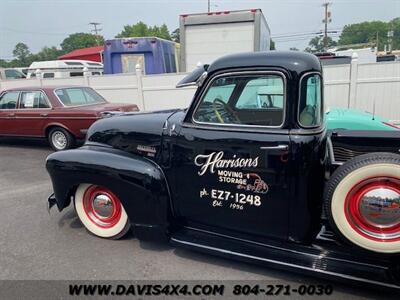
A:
x: 343, y: 118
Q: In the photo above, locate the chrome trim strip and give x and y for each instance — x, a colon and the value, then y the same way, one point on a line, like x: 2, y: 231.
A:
x: 279, y: 147
x: 276, y: 247
x: 285, y: 264
x: 211, y: 126
x: 193, y: 83
x: 251, y: 73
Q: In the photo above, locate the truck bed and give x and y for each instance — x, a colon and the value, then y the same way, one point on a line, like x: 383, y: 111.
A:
x: 347, y: 144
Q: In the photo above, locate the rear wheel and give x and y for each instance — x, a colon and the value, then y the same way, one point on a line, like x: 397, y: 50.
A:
x: 362, y: 202
x: 101, y: 212
x: 60, y: 139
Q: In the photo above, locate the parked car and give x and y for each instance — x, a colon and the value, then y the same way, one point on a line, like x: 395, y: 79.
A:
x: 10, y: 73
x: 64, y: 68
x: 60, y: 114
x: 247, y: 172
x: 344, y: 118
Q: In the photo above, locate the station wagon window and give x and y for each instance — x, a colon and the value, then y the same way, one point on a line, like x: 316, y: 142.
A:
x: 79, y: 96
x: 34, y: 99
x: 310, y: 105
x: 9, y: 100
x: 255, y: 100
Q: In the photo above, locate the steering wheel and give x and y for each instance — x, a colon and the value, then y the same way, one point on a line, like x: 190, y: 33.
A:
x: 232, y: 115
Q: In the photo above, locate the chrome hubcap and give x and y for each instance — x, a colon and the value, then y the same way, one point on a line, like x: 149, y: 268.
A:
x: 381, y: 207
x: 59, y: 140
x: 103, y: 206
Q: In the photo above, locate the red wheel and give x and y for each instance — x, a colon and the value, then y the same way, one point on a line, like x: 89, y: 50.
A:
x: 372, y: 208
x: 100, y: 210
x: 362, y: 202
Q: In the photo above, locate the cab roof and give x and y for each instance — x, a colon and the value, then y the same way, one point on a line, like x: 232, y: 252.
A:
x: 291, y: 60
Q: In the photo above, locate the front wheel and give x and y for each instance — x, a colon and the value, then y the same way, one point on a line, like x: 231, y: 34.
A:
x: 362, y: 202
x: 101, y: 212
x: 60, y: 139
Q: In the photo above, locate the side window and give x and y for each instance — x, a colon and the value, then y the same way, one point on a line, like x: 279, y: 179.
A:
x: 48, y: 75
x: 35, y: 99
x: 75, y: 74
x: 14, y: 74
x: 310, y: 105
x: 9, y: 100
x: 75, y: 96
x: 262, y: 93
x: 255, y: 100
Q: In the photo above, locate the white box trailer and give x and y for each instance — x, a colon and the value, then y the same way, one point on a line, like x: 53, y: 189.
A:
x: 207, y: 36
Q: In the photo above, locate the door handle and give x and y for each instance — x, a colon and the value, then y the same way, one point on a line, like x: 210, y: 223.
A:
x: 44, y: 115
x: 279, y: 147
x: 11, y: 115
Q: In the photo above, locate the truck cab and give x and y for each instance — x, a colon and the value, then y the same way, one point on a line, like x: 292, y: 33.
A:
x: 247, y: 171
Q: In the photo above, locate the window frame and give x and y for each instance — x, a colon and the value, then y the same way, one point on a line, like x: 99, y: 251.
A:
x: 322, y: 100
x: 32, y: 91
x: 242, y: 126
x: 18, y: 98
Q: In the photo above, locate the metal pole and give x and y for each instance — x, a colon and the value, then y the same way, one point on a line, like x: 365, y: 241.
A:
x: 326, y: 26
x: 208, y: 2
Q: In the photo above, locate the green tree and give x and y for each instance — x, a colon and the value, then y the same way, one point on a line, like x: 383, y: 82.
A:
x: 80, y: 40
x: 365, y: 32
x: 272, y: 45
x: 164, y: 32
x: 316, y: 44
x: 22, y: 53
x: 395, y: 26
x: 3, y: 63
x: 48, y: 53
x: 176, y: 35
x: 140, y: 29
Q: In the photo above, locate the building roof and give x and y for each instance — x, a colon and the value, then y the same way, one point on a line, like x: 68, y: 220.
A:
x: 84, y: 51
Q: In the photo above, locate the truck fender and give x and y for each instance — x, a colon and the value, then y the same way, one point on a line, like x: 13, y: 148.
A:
x: 138, y: 182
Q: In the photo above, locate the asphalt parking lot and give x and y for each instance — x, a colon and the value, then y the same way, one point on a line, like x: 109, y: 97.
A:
x: 36, y: 245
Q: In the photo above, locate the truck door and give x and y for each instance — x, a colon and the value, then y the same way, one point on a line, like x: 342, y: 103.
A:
x: 231, y: 156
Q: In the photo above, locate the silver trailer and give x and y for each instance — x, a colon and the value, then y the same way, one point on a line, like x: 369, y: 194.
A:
x: 207, y: 36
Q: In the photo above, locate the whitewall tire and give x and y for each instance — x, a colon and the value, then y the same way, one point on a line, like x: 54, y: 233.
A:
x: 362, y: 202
x: 101, y: 212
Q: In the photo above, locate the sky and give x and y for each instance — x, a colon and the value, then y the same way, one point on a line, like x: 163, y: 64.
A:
x: 40, y: 23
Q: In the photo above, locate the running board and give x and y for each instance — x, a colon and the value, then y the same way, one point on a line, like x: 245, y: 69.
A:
x: 322, y: 259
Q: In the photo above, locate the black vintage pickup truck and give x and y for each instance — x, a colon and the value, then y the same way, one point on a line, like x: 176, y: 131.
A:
x: 248, y: 171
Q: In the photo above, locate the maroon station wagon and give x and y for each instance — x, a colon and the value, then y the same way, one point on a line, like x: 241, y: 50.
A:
x: 60, y: 114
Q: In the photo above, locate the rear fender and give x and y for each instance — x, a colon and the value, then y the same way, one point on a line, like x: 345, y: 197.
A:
x: 139, y: 183
x: 52, y: 125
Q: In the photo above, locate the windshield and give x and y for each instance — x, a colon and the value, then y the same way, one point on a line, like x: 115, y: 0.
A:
x: 78, y: 96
